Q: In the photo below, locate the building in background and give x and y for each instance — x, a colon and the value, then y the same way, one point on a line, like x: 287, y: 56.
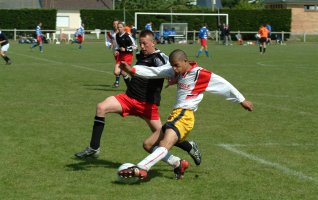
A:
x: 213, y: 4
x: 304, y: 13
x: 68, y: 11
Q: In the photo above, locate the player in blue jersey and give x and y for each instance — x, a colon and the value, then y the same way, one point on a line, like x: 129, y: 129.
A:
x: 148, y: 26
x: 203, y: 36
x: 79, y: 36
x: 39, y: 36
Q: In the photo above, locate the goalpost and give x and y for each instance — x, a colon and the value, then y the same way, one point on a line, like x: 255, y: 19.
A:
x: 179, y: 14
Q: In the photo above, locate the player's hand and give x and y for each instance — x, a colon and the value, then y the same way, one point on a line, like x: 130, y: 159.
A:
x: 116, y: 53
x: 125, y: 67
x: 247, y: 105
x: 171, y: 82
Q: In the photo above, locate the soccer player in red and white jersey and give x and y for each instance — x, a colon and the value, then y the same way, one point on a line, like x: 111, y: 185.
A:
x: 192, y: 82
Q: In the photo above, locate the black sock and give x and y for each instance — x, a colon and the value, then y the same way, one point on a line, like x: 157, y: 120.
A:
x: 185, y: 145
x: 127, y: 80
x: 6, y: 58
x: 98, y: 128
x: 264, y: 49
x: 260, y: 49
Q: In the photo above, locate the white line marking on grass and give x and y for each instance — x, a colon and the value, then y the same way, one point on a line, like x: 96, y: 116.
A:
x: 286, y: 109
x: 269, y: 144
x: 61, y: 63
x: 291, y: 64
x: 268, y: 163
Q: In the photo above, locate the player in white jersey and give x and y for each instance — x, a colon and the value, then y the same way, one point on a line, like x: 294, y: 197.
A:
x: 191, y: 81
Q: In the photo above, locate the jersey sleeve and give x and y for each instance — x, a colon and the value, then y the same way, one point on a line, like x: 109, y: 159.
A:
x: 222, y: 87
x: 164, y: 71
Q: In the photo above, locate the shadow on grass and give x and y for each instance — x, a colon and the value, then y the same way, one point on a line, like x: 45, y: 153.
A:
x: 88, y: 163
x: 103, y: 87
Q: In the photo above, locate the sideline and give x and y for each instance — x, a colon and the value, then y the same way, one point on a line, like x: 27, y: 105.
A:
x: 61, y: 63
x: 281, y: 168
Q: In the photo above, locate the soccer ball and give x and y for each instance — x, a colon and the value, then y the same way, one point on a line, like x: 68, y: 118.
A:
x: 126, y: 180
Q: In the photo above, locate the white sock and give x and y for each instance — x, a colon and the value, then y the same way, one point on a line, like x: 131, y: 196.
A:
x: 170, y: 159
x: 153, y: 158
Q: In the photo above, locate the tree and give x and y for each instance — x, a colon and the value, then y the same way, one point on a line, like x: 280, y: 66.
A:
x: 248, y: 4
x: 152, y: 4
x: 230, y: 3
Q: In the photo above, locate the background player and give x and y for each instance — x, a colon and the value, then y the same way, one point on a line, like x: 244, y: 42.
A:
x: 203, y: 36
x: 125, y: 46
x: 39, y: 37
x: 263, y: 32
x: 4, y: 42
x: 79, y: 36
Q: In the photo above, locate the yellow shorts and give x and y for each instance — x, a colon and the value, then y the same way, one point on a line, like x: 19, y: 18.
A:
x: 181, y: 121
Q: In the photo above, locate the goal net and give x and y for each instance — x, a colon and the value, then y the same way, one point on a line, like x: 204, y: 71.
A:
x: 141, y: 18
x: 176, y: 30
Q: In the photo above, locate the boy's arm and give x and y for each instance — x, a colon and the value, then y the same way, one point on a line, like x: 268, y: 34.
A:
x: 220, y: 86
x: 164, y: 71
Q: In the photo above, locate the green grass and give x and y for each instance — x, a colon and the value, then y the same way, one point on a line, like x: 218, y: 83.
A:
x: 47, y: 105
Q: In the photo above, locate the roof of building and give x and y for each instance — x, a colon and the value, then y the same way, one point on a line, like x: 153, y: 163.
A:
x: 76, y: 4
x: 291, y: 1
x: 57, y: 4
x: 18, y: 4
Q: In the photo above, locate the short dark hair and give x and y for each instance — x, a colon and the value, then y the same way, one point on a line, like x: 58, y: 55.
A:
x: 178, y: 54
x: 145, y: 33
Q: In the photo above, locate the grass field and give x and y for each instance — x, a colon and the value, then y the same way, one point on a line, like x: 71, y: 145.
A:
x: 47, y: 105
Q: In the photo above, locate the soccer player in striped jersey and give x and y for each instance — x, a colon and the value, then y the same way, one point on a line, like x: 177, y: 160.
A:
x: 192, y: 82
x: 79, y: 36
x: 203, y: 36
x: 141, y: 99
x: 39, y: 37
x: 4, y: 42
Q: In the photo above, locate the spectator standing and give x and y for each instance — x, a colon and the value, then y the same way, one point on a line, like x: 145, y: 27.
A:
x: 226, y: 34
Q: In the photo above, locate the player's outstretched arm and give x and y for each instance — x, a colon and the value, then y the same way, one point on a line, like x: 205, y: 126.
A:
x: 248, y: 105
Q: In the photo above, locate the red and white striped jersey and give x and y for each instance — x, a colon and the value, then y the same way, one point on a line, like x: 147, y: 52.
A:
x: 192, y: 84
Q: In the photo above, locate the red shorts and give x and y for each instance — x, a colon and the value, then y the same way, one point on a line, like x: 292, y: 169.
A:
x: 79, y: 38
x: 39, y: 39
x: 203, y: 42
x: 131, y: 106
x: 127, y: 57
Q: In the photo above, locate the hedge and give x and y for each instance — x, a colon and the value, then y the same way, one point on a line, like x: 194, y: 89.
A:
x: 243, y: 20
x: 28, y: 18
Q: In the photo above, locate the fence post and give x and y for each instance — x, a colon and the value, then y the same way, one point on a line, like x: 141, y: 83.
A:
x: 15, y: 34
x: 304, y: 37
x: 283, y: 36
